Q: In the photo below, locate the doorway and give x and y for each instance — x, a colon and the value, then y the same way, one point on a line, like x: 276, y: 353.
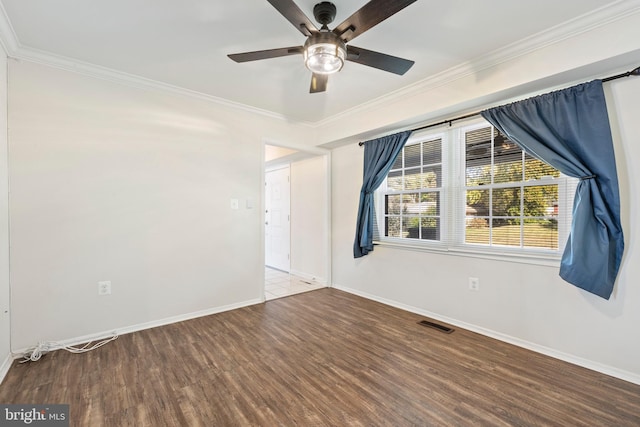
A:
x: 296, y: 219
x: 277, y: 219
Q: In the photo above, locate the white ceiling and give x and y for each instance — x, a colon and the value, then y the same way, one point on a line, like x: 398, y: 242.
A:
x: 184, y: 43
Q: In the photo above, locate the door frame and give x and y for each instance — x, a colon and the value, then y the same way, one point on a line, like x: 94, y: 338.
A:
x: 303, y: 152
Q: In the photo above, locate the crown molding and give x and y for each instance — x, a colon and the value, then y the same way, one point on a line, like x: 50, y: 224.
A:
x: 8, y: 38
x: 15, y: 50
x: 569, y: 29
x: 581, y: 24
x: 132, y: 80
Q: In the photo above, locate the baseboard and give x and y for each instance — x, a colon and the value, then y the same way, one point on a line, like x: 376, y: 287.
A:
x: 310, y: 277
x: 575, y: 360
x: 4, y: 368
x: 147, y: 325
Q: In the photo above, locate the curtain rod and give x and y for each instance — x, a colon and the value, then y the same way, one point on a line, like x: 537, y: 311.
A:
x: 634, y: 72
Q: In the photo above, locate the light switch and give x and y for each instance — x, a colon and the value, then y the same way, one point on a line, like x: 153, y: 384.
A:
x: 250, y: 203
x: 234, y: 203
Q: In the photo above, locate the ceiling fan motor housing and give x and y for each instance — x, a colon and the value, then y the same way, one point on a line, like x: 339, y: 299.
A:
x: 324, y: 12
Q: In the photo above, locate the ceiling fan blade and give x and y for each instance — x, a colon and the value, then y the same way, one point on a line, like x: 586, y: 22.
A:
x: 265, y: 54
x: 368, y: 16
x: 318, y: 83
x: 378, y: 60
x: 292, y: 12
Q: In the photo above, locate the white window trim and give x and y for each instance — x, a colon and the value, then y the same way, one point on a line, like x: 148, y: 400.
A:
x: 452, y: 195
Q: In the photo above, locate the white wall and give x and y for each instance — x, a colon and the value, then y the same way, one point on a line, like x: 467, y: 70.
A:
x: 5, y: 342
x: 526, y: 304
x: 110, y: 182
x: 309, y: 225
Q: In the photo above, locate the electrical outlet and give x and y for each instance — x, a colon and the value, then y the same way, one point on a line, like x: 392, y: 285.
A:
x: 104, y: 288
x: 474, y: 284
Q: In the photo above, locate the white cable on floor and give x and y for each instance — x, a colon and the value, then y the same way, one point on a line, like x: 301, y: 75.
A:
x: 35, y: 353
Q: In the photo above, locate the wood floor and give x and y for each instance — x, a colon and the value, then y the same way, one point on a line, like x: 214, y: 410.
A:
x: 322, y: 358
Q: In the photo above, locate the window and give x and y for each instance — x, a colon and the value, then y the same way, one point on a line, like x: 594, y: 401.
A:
x: 472, y: 189
x: 413, y: 192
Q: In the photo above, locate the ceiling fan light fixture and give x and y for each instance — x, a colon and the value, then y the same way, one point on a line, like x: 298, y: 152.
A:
x: 324, y: 58
x: 324, y: 53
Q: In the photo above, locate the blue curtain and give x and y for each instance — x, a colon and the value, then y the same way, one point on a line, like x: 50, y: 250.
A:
x: 379, y: 155
x: 569, y: 129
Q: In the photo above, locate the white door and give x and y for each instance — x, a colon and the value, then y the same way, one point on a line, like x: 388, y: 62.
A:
x: 277, y: 211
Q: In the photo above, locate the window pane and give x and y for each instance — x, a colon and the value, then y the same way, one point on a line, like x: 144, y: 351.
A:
x: 541, y: 233
x: 476, y: 230
x: 429, y: 203
x: 392, y: 226
x: 411, y: 227
x: 536, y: 169
x: 432, y: 152
x: 432, y: 177
x: 507, y: 158
x: 541, y: 200
x: 506, y: 202
x: 478, y: 157
x: 411, y: 203
x: 394, y: 180
x: 479, y: 174
x: 412, y: 155
x: 430, y: 228
x: 506, y: 232
x: 477, y: 203
x: 412, y: 179
x: 392, y: 204
x: 478, y: 136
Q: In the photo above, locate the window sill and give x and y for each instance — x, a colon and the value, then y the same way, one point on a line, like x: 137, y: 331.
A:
x: 547, y: 260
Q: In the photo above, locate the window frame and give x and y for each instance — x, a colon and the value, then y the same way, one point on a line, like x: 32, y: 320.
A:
x: 453, y: 205
x: 414, y: 139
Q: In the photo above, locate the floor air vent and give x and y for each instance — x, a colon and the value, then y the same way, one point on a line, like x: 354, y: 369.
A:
x: 437, y: 326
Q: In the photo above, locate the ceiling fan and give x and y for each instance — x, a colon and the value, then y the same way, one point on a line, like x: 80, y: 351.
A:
x: 325, y: 51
